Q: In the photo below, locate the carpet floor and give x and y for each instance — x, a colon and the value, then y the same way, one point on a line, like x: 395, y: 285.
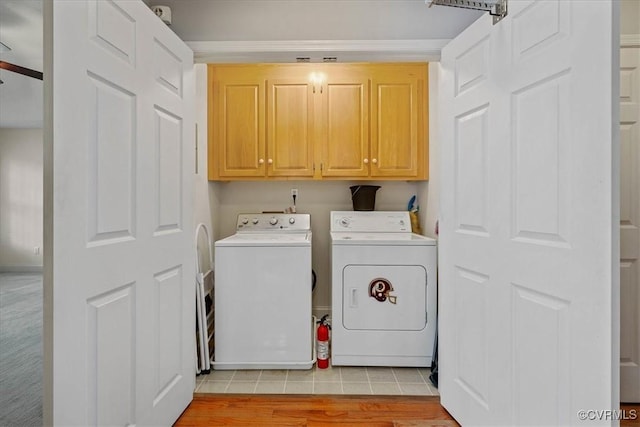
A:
x: 20, y: 350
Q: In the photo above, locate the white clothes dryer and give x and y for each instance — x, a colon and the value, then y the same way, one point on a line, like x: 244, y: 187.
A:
x: 263, y: 285
x: 384, y: 296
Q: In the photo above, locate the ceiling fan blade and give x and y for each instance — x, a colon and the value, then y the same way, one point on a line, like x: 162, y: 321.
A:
x: 21, y: 70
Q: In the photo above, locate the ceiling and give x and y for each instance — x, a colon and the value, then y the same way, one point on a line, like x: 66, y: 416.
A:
x: 314, y: 20
x: 229, y: 22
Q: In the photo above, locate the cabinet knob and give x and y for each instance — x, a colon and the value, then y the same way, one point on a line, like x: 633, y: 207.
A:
x: 366, y: 161
x: 261, y: 161
x: 374, y: 161
x: 270, y: 161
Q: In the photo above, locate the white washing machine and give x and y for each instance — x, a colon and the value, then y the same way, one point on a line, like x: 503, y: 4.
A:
x: 263, y: 284
x: 383, y: 290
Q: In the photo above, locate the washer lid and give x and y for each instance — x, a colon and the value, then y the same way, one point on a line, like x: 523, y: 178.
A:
x: 266, y: 239
x: 404, y: 239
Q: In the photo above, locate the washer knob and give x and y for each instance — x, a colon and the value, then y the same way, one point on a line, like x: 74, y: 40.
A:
x: 245, y: 221
x: 273, y: 220
x: 344, y: 222
x: 292, y: 220
x: 254, y: 220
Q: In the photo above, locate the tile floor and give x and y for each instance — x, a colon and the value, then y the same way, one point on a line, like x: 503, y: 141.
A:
x: 334, y: 380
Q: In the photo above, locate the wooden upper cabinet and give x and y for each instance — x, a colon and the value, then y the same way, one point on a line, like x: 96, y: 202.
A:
x: 290, y: 127
x: 399, y: 122
x: 318, y: 121
x: 236, y: 123
x: 344, y: 128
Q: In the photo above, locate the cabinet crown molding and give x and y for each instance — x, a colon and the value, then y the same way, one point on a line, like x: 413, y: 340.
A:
x: 344, y: 50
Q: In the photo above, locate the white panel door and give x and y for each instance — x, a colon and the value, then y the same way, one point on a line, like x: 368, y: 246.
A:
x: 528, y: 224
x: 119, y: 275
x: 630, y: 224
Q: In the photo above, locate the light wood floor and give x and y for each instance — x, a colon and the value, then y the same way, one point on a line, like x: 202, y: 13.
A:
x: 632, y: 414
x: 336, y: 410
x: 308, y: 410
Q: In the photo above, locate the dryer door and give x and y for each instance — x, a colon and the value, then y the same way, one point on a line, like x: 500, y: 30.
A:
x: 384, y: 297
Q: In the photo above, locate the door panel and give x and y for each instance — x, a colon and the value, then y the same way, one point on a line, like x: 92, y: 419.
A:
x: 237, y: 119
x: 345, y: 123
x: 526, y: 242
x: 629, y: 224
x: 119, y: 272
x: 111, y: 152
x: 111, y: 328
x: 290, y: 113
x: 394, y: 138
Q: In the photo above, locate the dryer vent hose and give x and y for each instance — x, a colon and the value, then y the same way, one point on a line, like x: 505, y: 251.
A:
x: 313, y: 280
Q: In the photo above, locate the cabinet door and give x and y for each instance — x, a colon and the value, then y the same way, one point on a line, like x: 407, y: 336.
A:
x: 237, y: 117
x: 290, y: 129
x: 398, y: 110
x: 344, y: 131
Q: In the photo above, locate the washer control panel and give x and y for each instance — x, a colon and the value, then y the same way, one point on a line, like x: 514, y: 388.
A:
x: 371, y: 221
x: 265, y: 222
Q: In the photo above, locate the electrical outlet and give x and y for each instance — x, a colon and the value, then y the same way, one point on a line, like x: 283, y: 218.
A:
x: 294, y: 192
x: 36, y: 250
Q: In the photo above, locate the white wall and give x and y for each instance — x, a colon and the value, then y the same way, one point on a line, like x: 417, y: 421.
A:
x: 20, y: 199
x: 205, y: 195
x: 430, y: 191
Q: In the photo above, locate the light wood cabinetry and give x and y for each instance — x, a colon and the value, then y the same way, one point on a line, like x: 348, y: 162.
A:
x: 318, y: 121
x: 344, y: 126
x: 290, y: 112
x: 399, y: 124
x: 237, y: 114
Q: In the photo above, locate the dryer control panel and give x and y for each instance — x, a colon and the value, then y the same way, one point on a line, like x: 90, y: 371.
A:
x: 371, y: 221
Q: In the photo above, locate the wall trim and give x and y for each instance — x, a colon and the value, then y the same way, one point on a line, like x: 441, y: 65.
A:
x: 630, y: 40
x: 21, y: 269
x: 344, y: 50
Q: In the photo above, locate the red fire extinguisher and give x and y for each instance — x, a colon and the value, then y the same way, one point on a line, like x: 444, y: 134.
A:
x: 322, y: 343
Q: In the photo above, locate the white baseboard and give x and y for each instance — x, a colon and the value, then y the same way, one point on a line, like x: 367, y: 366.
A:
x: 21, y: 269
